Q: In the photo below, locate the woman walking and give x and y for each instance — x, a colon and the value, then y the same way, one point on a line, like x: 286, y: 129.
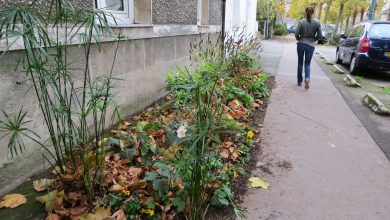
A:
x: 308, y: 32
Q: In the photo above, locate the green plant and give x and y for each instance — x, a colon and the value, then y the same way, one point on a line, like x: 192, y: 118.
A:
x: 75, y: 115
x: 359, y: 79
x: 387, y: 90
x: 280, y: 29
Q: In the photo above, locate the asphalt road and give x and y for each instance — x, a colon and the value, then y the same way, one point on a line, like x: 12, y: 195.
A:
x: 373, y: 82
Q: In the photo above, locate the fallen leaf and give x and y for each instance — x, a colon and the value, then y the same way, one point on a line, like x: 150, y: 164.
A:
x: 52, y: 200
x: 257, y: 182
x: 119, y: 215
x: 100, y: 214
x: 12, y: 201
x: 255, y: 105
x: 53, y: 216
x: 42, y: 184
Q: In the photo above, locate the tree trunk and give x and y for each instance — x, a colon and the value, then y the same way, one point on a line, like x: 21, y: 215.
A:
x: 388, y: 16
x: 327, y: 12
x: 354, y: 17
x: 347, y: 22
x: 339, y: 16
x: 320, y: 10
x: 362, y: 14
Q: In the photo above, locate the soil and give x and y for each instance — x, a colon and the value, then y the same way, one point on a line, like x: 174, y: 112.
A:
x: 240, y: 186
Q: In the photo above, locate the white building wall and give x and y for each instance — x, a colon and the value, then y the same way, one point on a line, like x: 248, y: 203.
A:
x: 241, y: 17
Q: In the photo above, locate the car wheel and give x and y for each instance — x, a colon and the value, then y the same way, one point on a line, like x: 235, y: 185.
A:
x: 353, y: 68
x: 338, y: 60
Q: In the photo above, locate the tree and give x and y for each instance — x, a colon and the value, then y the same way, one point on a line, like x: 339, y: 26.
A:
x: 327, y: 10
x: 268, y: 11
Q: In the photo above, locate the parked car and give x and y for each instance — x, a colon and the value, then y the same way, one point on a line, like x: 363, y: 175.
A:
x: 365, y: 46
x: 292, y: 29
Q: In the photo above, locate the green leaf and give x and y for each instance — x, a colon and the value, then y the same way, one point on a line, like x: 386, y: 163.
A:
x: 161, y: 185
x: 127, y: 154
x: 179, y: 203
x: 163, y: 169
x: 144, y: 150
x: 150, y: 176
x: 152, y: 126
x: 151, y: 204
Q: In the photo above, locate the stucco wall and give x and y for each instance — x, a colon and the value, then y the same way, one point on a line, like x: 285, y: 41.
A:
x: 175, y: 11
x: 215, y: 12
x: 42, y: 5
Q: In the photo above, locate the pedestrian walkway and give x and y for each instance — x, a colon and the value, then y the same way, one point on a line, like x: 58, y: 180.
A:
x: 338, y: 172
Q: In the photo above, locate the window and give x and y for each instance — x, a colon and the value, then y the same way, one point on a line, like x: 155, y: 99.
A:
x: 203, y: 12
x: 128, y: 11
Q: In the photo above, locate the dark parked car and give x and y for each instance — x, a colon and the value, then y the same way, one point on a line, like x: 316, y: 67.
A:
x: 365, y: 46
x: 292, y: 29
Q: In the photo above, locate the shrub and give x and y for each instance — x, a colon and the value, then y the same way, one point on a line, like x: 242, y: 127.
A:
x: 280, y: 29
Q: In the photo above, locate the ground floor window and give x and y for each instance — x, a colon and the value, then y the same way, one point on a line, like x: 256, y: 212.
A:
x: 127, y: 12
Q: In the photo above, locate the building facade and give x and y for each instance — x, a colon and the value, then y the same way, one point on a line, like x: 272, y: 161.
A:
x: 241, y: 17
x: 162, y: 32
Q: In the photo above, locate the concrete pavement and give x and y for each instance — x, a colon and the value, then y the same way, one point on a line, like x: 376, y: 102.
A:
x: 337, y: 170
x: 373, y: 82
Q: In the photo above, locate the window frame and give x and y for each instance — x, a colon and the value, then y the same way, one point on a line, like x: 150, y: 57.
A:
x: 125, y: 17
x: 200, y: 19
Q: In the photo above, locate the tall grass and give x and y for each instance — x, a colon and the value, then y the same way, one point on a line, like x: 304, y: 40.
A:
x: 74, y: 108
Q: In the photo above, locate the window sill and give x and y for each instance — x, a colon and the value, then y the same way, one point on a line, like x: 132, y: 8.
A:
x: 131, y: 25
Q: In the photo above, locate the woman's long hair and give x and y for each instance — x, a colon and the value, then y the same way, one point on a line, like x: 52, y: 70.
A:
x: 309, y: 13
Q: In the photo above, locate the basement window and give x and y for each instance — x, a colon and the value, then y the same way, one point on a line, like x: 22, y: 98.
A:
x: 127, y: 12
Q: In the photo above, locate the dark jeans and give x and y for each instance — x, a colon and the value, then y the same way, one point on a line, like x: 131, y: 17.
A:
x: 306, y: 51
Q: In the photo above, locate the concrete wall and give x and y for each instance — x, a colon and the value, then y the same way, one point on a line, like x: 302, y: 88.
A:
x: 141, y: 65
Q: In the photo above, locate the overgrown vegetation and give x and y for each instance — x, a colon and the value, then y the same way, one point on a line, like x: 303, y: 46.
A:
x: 170, y: 161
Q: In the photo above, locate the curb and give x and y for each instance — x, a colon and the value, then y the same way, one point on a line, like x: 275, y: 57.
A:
x: 375, y: 105
x: 338, y: 69
x: 350, y: 81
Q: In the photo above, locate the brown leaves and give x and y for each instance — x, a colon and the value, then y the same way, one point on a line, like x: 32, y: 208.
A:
x: 12, y: 201
x: 42, y: 184
x: 236, y: 109
x: 99, y: 214
x: 119, y: 215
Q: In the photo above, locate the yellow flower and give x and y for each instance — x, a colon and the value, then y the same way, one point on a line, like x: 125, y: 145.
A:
x: 250, y: 135
x: 235, y: 174
x: 148, y: 211
x: 125, y: 192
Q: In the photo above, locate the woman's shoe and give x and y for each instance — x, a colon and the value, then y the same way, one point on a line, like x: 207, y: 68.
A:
x: 307, y: 82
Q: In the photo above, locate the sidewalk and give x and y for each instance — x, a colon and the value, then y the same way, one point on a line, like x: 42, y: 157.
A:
x: 338, y: 172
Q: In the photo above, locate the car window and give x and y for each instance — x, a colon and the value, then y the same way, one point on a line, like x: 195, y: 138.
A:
x: 379, y: 31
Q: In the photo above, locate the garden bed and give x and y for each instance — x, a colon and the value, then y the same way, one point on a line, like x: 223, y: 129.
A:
x: 171, y: 161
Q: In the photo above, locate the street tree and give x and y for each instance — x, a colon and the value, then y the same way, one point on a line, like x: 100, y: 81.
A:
x: 267, y: 13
